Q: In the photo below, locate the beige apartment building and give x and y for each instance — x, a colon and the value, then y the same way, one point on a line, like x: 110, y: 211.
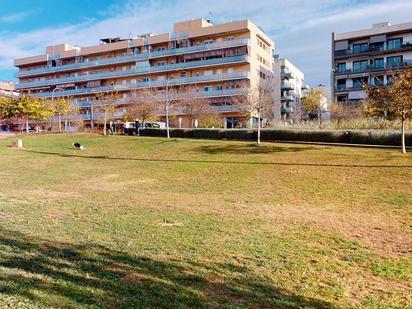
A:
x: 213, y: 61
x: 289, y: 89
x: 366, y: 56
x: 7, y: 89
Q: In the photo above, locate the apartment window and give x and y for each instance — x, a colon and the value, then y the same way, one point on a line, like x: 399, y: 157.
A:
x: 208, y: 42
x: 378, y: 80
x: 360, y: 66
x: 231, y: 38
x: 359, y: 82
x: 379, y: 64
x: 160, y: 49
x: 146, y: 79
x: 341, y: 84
x: 341, y: 67
x: 360, y: 48
x: 394, y: 62
x: 183, y: 74
x: 208, y: 88
x: 160, y: 63
x: 377, y: 46
x: 394, y: 43
x: 219, y: 87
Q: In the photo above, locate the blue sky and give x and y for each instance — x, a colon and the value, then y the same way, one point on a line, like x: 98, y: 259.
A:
x: 301, y: 29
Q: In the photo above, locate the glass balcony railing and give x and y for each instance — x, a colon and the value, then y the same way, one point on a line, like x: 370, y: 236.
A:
x: 136, y: 71
x: 407, y: 63
x: 371, y: 49
x: 132, y: 58
x: 148, y: 84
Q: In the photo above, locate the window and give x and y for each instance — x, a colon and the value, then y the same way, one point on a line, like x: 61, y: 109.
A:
x: 183, y: 74
x: 378, y: 80
x: 208, y: 88
x: 359, y: 82
x: 341, y: 67
x: 394, y: 43
x: 360, y: 48
x: 230, y: 38
x: 160, y: 49
x: 379, y: 64
x: 219, y: 87
x: 360, y: 66
x: 146, y: 79
x: 377, y: 46
x: 394, y: 62
x: 341, y: 84
x: 160, y: 63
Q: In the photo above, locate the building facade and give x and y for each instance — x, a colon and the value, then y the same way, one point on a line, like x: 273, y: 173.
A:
x: 367, y: 56
x: 289, y: 89
x: 216, y: 62
x: 7, y: 89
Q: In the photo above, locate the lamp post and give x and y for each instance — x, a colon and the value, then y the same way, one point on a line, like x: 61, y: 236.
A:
x: 58, y: 112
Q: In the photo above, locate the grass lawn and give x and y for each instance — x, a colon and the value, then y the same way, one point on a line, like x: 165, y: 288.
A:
x: 149, y: 222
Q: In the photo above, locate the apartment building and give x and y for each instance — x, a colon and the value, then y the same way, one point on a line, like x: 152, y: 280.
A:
x: 366, y: 56
x: 7, y: 89
x: 289, y: 88
x: 213, y: 61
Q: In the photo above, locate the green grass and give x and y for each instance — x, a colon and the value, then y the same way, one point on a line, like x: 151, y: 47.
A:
x: 274, y: 226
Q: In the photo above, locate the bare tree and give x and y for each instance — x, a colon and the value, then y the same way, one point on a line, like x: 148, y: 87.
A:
x: 257, y: 101
x: 193, y: 105
x: 144, y: 107
x: 105, y: 103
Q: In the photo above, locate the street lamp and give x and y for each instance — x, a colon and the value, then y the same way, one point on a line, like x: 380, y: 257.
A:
x: 58, y: 112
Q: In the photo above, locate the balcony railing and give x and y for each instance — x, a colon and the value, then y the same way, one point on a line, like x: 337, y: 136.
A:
x: 345, y: 88
x: 287, y: 85
x: 371, y: 49
x: 386, y: 66
x: 148, y: 84
x: 132, y: 58
x: 134, y: 72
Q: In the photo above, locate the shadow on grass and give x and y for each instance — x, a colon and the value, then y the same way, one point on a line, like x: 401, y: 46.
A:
x: 65, y: 155
x: 252, y: 149
x: 60, y: 274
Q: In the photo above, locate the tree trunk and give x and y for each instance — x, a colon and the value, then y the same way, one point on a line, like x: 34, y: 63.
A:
x: 60, y: 122
x: 27, y: 125
x: 258, y: 130
x: 91, y: 118
x: 167, y: 122
x: 105, y: 123
x: 319, y: 117
x: 403, y: 136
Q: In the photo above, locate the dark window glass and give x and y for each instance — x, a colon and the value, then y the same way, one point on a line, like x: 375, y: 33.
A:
x: 341, y: 67
x: 360, y: 48
x: 379, y: 63
x: 394, y: 62
x: 359, y: 82
x: 360, y: 66
x: 377, y: 46
x: 394, y: 43
x: 378, y: 80
x: 341, y: 84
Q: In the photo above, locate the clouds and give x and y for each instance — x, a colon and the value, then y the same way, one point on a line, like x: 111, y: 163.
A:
x: 301, y: 29
x: 17, y: 17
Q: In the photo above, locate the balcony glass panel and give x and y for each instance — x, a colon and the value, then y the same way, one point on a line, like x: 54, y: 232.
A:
x: 394, y: 44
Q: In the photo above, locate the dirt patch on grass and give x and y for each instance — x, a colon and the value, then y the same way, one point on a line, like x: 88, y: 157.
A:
x: 114, y: 182
x: 133, y: 278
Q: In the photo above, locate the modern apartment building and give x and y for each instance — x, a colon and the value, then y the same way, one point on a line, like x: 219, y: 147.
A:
x: 289, y: 87
x: 7, y: 89
x: 366, y: 56
x: 214, y: 61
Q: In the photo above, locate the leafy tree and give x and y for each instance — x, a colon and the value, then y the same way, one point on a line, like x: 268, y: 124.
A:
x: 27, y: 108
x: 393, y: 101
x: 312, y: 103
x: 144, y: 108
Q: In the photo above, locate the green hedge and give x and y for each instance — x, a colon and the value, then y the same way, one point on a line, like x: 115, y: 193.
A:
x: 373, y: 137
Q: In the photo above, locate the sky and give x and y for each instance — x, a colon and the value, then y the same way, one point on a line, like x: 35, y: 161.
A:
x: 301, y: 29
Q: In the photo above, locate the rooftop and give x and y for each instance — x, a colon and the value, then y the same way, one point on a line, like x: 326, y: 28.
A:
x: 376, y: 29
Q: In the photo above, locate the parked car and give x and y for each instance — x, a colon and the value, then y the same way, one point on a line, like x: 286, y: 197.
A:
x: 29, y: 130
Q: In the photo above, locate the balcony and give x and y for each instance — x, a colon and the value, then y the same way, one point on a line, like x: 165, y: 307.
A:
x: 372, y: 50
x: 288, y: 98
x: 194, y: 94
x: 345, y: 88
x: 134, y: 72
x: 149, y: 84
x: 133, y: 58
x: 406, y: 64
x: 285, y: 85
